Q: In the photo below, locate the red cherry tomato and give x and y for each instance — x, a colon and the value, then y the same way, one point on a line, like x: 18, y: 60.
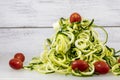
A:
x: 75, y: 17
x: 101, y: 67
x: 80, y: 65
x: 118, y: 60
x: 20, y: 56
x: 16, y: 63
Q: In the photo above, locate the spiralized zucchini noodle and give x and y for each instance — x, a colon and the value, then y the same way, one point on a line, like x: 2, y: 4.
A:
x: 73, y: 41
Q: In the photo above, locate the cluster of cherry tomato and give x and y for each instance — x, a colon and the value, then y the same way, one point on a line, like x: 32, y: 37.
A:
x: 101, y: 67
x: 17, y: 61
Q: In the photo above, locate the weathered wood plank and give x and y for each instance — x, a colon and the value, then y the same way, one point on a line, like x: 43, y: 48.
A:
x: 16, y: 13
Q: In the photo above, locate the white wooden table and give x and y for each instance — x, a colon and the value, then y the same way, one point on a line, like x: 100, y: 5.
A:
x: 25, y: 24
x: 44, y: 12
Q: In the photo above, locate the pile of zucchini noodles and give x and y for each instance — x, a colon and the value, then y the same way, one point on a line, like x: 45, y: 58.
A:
x: 73, y: 41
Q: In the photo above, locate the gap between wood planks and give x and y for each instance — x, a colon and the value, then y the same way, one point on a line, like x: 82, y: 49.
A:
x: 32, y: 27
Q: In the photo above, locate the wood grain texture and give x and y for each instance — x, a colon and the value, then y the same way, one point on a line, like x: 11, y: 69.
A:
x: 16, y: 13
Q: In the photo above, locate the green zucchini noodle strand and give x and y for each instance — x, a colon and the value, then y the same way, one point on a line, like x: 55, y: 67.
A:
x: 70, y: 42
x: 106, y: 38
x: 116, y: 69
